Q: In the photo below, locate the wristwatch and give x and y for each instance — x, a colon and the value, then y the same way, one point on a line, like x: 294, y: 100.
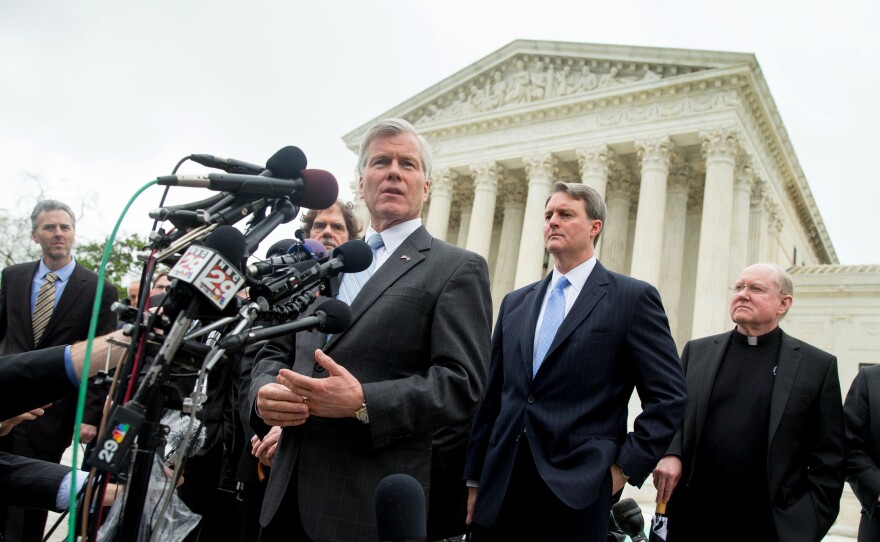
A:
x: 361, y: 414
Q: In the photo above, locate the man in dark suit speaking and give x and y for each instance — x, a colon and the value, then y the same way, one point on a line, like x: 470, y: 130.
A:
x: 761, y: 453
x: 366, y: 403
x: 549, y: 445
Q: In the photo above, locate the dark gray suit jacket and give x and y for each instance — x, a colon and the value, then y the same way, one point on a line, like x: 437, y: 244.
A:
x: 52, y: 432
x: 574, y: 411
x: 419, y: 344
x: 805, y: 459
x: 862, y: 411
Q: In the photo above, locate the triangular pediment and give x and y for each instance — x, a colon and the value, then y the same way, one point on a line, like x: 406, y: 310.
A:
x: 528, y: 74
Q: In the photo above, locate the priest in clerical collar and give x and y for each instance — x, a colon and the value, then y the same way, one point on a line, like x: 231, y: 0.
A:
x: 760, y: 455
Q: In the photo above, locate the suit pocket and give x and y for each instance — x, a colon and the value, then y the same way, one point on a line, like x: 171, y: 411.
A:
x: 406, y: 291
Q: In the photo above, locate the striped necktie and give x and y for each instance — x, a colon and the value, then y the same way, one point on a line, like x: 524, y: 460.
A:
x: 44, y: 305
x: 554, y: 313
x: 353, y: 282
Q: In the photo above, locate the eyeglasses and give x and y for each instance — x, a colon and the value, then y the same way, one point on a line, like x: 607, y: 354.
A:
x: 756, y: 289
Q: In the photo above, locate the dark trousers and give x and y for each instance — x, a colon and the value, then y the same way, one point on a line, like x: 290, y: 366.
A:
x: 286, y: 526
x: 531, y: 511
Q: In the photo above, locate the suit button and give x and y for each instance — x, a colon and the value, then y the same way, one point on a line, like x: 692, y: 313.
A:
x: 530, y: 399
x: 318, y: 368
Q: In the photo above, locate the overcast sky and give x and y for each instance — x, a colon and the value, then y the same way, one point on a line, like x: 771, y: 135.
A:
x: 98, y: 97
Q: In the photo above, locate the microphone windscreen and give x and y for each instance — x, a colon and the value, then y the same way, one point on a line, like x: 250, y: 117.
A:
x: 279, y: 248
x: 400, y: 508
x: 229, y: 242
x: 315, y: 248
x: 338, y: 316
x: 356, y: 255
x: 320, y: 189
x: 287, y: 163
x: 628, y: 517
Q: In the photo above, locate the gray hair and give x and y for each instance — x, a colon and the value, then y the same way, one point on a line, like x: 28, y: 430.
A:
x: 46, y: 205
x: 593, y: 202
x: 391, y: 128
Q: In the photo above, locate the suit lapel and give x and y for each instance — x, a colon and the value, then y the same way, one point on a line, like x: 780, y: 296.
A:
x: 714, y: 356
x: 594, y: 290
x: 787, y: 368
x: 392, y: 270
x: 21, y: 297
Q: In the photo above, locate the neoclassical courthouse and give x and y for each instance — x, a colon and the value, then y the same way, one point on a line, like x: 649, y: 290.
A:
x: 693, y: 159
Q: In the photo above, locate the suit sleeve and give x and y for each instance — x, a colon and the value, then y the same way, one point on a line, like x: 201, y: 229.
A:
x: 275, y: 355
x: 32, y: 379
x: 659, y: 380
x: 29, y: 482
x: 451, y: 388
x: 862, y: 472
x: 825, y: 462
x: 676, y: 447
x: 4, y: 320
x: 488, y: 412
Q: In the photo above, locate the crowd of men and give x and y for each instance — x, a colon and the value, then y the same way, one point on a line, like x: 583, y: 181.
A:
x: 517, y: 433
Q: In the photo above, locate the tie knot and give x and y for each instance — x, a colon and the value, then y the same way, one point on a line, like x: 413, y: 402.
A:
x: 562, y: 283
x: 51, y: 277
x: 375, y: 241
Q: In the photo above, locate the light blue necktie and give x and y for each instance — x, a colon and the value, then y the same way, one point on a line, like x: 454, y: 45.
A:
x: 554, y: 313
x: 353, y: 282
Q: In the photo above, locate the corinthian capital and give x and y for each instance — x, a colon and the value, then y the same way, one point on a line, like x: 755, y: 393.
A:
x: 541, y: 165
x: 596, y: 159
x: 720, y: 143
x: 486, y: 174
x: 658, y: 152
x: 442, y: 182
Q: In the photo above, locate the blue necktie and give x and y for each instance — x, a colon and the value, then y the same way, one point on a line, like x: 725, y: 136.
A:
x: 554, y: 313
x: 353, y: 282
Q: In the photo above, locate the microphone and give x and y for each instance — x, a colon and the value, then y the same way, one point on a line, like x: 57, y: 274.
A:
x: 179, y: 438
x: 333, y: 316
x: 228, y: 165
x: 350, y: 257
x: 280, y: 247
x: 285, y: 163
x: 400, y: 508
x: 628, y: 516
x: 208, y: 268
x: 313, y: 189
x: 310, y: 249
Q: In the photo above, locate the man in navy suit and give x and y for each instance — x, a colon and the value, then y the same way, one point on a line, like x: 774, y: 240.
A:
x: 549, y: 446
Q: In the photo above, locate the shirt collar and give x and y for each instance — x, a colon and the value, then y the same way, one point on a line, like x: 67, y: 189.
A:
x: 577, y: 276
x: 63, y: 273
x: 394, y: 236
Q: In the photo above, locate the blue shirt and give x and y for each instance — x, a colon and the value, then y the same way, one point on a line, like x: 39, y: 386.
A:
x: 40, y: 279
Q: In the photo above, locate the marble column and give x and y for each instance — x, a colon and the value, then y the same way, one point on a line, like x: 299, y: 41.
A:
x: 596, y: 162
x: 739, y: 230
x: 647, y: 253
x: 674, y: 243
x: 464, y: 191
x: 616, y: 230
x: 540, y: 169
x: 682, y: 332
x: 774, y: 228
x: 720, y: 148
x: 437, y: 223
x: 508, y: 244
x: 757, y: 224
x: 360, y: 209
x: 479, y: 238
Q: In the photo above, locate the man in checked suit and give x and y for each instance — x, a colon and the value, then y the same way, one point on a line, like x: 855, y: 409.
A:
x: 549, y: 447
x: 367, y: 403
x: 760, y: 455
x: 65, y: 320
